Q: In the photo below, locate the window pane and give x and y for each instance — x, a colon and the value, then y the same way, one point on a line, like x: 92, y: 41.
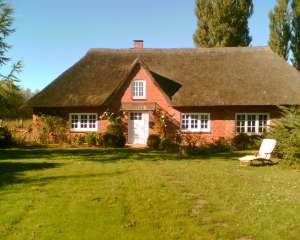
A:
x: 204, y: 121
x: 138, y: 88
x: 74, y: 121
x: 184, y: 121
x: 131, y: 116
x: 194, y: 121
x: 262, y: 123
x: 83, y: 121
x: 251, y: 123
x: 92, y: 121
x: 240, y: 123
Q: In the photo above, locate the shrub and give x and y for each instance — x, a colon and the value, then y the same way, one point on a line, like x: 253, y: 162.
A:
x: 243, y: 141
x: 91, y: 138
x: 99, y: 139
x: 188, y: 150
x: 50, y: 129
x: 78, y: 139
x: 169, y: 146
x: 94, y: 138
x: 115, y: 129
x: 5, y: 137
x: 220, y: 146
x: 111, y: 140
x: 161, y: 122
x: 153, y: 141
x: 114, y: 135
x: 286, y: 131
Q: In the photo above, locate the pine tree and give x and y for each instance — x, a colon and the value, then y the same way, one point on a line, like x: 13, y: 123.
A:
x: 8, y: 87
x: 295, y: 38
x: 222, y: 23
x: 280, y: 30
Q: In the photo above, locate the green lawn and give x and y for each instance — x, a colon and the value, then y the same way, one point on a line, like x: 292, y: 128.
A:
x: 138, y: 194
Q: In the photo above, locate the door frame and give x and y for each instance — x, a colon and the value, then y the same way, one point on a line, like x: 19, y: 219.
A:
x: 145, y: 117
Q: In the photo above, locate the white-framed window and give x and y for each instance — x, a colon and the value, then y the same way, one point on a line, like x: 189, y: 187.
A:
x: 195, y: 122
x: 135, y: 116
x: 252, y: 123
x: 138, y: 88
x: 83, y: 122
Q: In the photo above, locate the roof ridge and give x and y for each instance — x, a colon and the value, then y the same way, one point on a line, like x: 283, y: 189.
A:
x: 195, y: 50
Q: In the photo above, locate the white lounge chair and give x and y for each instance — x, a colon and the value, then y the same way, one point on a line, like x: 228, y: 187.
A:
x: 264, y: 154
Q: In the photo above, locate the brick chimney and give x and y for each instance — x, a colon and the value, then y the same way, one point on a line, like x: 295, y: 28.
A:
x: 138, y: 44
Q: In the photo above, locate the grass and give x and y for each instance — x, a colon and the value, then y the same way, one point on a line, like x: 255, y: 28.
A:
x: 138, y: 194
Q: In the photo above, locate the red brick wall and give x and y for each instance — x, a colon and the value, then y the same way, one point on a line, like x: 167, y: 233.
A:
x: 64, y: 113
x: 222, y: 118
x: 153, y: 94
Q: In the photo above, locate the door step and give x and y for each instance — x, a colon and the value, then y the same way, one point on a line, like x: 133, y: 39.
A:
x: 136, y: 145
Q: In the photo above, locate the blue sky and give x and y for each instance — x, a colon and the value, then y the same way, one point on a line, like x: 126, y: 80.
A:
x: 51, y: 35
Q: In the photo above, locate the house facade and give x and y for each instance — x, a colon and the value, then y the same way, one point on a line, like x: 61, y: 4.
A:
x: 203, y: 94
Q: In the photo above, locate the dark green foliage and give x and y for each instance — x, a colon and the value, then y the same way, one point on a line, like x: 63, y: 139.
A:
x: 222, y: 23
x: 295, y: 37
x: 99, y: 139
x: 280, y: 30
x: 109, y: 140
x: 91, y: 138
x: 5, y: 137
x: 94, y: 138
x: 153, y: 141
x: 286, y: 131
x: 221, y: 145
x: 115, y: 129
x: 50, y: 129
x: 9, y: 92
x: 78, y: 139
x: 112, y: 140
x: 246, y: 142
x: 114, y: 135
x: 169, y: 145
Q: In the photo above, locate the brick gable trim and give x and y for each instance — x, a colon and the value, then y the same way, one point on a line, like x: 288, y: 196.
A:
x: 135, y: 67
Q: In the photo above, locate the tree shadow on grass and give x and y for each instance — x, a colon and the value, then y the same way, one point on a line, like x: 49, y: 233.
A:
x: 107, y: 154
x: 148, y: 155
x: 12, y: 172
x: 61, y: 153
x: 46, y: 180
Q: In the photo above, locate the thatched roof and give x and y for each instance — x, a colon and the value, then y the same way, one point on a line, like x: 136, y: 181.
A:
x: 189, y: 77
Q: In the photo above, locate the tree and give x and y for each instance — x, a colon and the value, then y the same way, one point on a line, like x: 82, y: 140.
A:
x: 295, y: 37
x: 222, y: 23
x: 8, y: 87
x: 286, y: 130
x: 17, y: 99
x: 280, y: 30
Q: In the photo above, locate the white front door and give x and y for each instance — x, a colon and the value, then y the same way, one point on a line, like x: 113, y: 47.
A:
x: 138, y: 127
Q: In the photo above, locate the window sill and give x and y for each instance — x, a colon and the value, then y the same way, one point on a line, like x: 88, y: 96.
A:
x: 191, y: 132
x: 138, y: 98
x: 82, y: 130
x: 250, y: 134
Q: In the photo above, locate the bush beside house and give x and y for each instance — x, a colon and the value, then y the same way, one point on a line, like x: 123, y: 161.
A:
x: 243, y: 141
x: 153, y: 141
x: 114, y: 135
x: 5, y: 137
x: 286, y: 131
